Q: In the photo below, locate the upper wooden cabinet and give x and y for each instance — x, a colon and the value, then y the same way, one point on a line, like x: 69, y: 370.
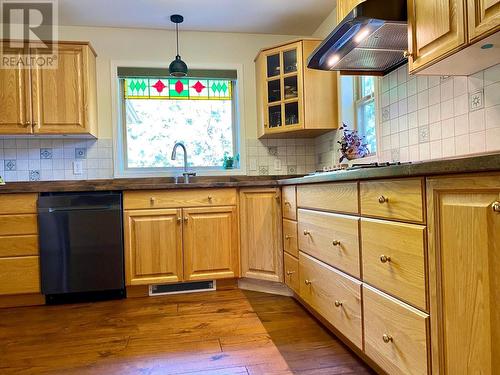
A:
x: 440, y: 28
x: 51, y: 101
x: 292, y: 98
x: 464, y: 260
x: 344, y: 7
x: 261, y: 244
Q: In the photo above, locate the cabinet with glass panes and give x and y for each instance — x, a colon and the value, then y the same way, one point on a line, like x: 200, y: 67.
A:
x: 293, y: 100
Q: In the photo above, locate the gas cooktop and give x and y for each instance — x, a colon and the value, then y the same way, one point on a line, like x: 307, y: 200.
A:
x: 358, y: 166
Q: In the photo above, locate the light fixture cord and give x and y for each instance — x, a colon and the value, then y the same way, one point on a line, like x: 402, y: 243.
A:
x: 177, y: 37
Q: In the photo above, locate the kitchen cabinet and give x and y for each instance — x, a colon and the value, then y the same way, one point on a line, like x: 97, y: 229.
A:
x: 210, y: 243
x: 51, y: 101
x: 464, y: 264
x: 261, y: 228
x: 442, y: 33
x: 292, y: 99
x: 344, y: 7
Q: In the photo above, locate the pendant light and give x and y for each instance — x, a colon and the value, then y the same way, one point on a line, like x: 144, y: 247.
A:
x: 177, y: 68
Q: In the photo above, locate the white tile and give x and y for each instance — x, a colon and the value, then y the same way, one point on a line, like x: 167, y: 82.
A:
x: 9, y: 143
x: 386, y: 128
x: 22, y: 153
x: 394, y: 111
x: 492, y: 117
x: 423, y: 99
x: 10, y: 176
x: 46, y: 143
x: 462, y: 144
x: 423, y: 116
x: 422, y: 83
x: 434, y: 113
x: 493, y: 139
x: 448, y: 128
x: 424, y: 151
x: 393, y: 95
x: 492, y: 95
x: 403, y: 123
x: 34, y: 143
x: 58, y: 174
x: 447, y: 89
x: 413, y: 136
x: 477, y: 120
x: 459, y: 86
x: 448, y: 147
x: 476, y: 82
x: 46, y: 164
x: 10, y: 153
x: 58, y: 143
x: 393, y: 79
x: 434, y: 95
x: 394, y: 126
x: 461, y: 105
x: 404, y: 154
x: 69, y: 153
x: 46, y: 175
x: 435, y: 131
x: 385, y: 99
x: 477, y: 142
x: 402, y: 92
x: 436, y: 150
x: 403, y: 139
x: 395, y: 140
x: 33, y: 164
x: 386, y: 143
x: 105, y: 142
x: 385, y: 84
x: 461, y: 125
x: 414, y: 153
x: 22, y: 165
x: 413, y: 120
x: 34, y: 153
x: 412, y: 103
x: 403, y: 107
x: 492, y: 75
x: 21, y: 143
x: 434, y: 81
x: 412, y: 86
x: 58, y: 164
x: 107, y: 153
x: 402, y: 74
x: 23, y: 175
x: 447, y: 110
x: 57, y: 153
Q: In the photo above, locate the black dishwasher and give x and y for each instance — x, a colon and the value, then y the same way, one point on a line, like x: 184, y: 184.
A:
x: 81, y: 245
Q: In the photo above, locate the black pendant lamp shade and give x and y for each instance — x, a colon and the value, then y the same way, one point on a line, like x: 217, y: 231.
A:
x: 177, y: 68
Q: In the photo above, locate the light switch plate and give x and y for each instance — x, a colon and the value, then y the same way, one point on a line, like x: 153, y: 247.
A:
x: 476, y: 100
x: 77, y: 167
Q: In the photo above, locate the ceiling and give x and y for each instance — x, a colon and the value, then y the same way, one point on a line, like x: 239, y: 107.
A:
x: 288, y: 17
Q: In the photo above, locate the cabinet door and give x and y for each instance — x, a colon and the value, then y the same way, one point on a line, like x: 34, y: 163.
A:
x: 59, y: 95
x: 153, y: 246
x: 435, y: 29
x: 344, y: 7
x: 14, y: 97
x: 210, y: 243
x: 261, y: 243
x: 484, y: 18
x: 464, y: 261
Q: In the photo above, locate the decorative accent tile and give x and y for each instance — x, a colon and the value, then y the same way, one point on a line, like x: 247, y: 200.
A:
x: 292, y: 169
x: 423, y: 134
x: 80, y: 153
x: 46, y: 153
x: 10, y: 165
x: 272, y: 150
x: 386, y: 114
x: 34, y: 175
x: 263, y: 170
x: 476, y: 100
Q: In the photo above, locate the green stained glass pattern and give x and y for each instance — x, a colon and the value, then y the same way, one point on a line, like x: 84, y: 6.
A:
x: 167, y: 88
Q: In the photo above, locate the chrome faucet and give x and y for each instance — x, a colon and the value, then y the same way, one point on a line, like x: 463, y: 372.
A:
x: 186, y: 174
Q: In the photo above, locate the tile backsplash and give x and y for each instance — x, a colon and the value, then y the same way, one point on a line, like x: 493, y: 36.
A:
x: 53, y: 159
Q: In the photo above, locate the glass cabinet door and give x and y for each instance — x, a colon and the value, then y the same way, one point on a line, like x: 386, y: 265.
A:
x: 273, y: 65
x: 290, y: 61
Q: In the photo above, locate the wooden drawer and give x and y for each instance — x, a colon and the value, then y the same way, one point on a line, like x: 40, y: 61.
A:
x: 331, y: 238
x: 395, y: 334
x: 394, y: 259
x: 292, y: 272
x: 19, y: 275
x: 18, y: 224
x: 13, y: 246
x: 290, y: 237
x: 289, y: 202
x: 333, y: 294
x: 23, y: 203
x: 340, y: 197
x: 393, y: 199
x: 178, y: 198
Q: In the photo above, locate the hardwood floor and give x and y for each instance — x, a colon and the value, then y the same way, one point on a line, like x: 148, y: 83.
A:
x: 223, y: 332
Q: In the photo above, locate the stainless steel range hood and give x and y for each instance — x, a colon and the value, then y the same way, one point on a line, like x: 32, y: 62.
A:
x: 371, y: 40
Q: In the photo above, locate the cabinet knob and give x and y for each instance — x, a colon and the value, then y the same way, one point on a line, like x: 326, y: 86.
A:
x: 387, y: 338
x: 307, y: 282
x: 185, y: 219
x: 383, y: 199
x: 27, y: 123
x: 287, y: 237
x: 286, y: 203
x: 34, y: 123
x: 289, y: 273
x: 407, y: 54
x: 306, y: 232
x: 277, y: 197
x: 209, y: 198
x: 152, y: 200
x: 179, y: 219
x: 338, y: 303
x: 496, y: 206
x: 336, y: 243
x: 385, y: 258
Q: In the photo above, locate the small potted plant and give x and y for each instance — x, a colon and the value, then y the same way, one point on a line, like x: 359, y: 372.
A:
x: 229, y: 161
x: 352, y: 145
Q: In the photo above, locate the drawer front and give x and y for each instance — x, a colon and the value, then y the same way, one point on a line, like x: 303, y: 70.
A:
x: 292, y: 272
x: 393, y: 199
x: 11, y: 225
x: 333, y: 294
x: 14, y: 246
x: 394, y: 259
x: 289, y: 202
x: 178, y: 198
x: 395, y: 334
x: 290, y: 237
x: 340, y: 197
x: 23, y: 203
x: 19, y: 275
x: 331, y: 238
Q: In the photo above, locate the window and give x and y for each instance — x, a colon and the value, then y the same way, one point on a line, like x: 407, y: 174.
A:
x: 158, y: 111
x: 365, y: 110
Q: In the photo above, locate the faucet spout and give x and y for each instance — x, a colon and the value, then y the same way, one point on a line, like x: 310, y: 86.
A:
x: 186, y: 174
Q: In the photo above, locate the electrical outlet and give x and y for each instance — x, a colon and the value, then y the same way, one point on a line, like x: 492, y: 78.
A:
x: 277, y: 164
x: 77, y: 167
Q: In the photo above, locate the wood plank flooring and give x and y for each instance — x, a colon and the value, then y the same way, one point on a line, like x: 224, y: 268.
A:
x: 223, y: 332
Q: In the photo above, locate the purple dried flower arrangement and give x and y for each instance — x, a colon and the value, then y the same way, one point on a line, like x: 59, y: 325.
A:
x: 352, y: 146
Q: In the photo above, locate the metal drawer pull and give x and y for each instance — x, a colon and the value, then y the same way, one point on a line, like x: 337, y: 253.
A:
x: 336, y: 243
x: 383, y: 199
x: 338, y: 303
x: 385, y: 259
x: 307, y: 282
x: 306, y: 232
x: 185, y: 219
x: 152, y: 200
x: 387, y: 338
x: 210, y: 198
x: 286, y: 203
x: 496, y: 206
x: 287, y: 237
x: 179, y: 219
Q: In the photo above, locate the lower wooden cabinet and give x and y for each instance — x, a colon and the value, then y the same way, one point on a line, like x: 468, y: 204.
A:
x: 210, y: 243
x: 153, y: 246
x: 395, y: 334
x: 464, y: 264
x: 334, y: 295
x: 292, y: 272
x: 261, y: 242
x: 19, y: 275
